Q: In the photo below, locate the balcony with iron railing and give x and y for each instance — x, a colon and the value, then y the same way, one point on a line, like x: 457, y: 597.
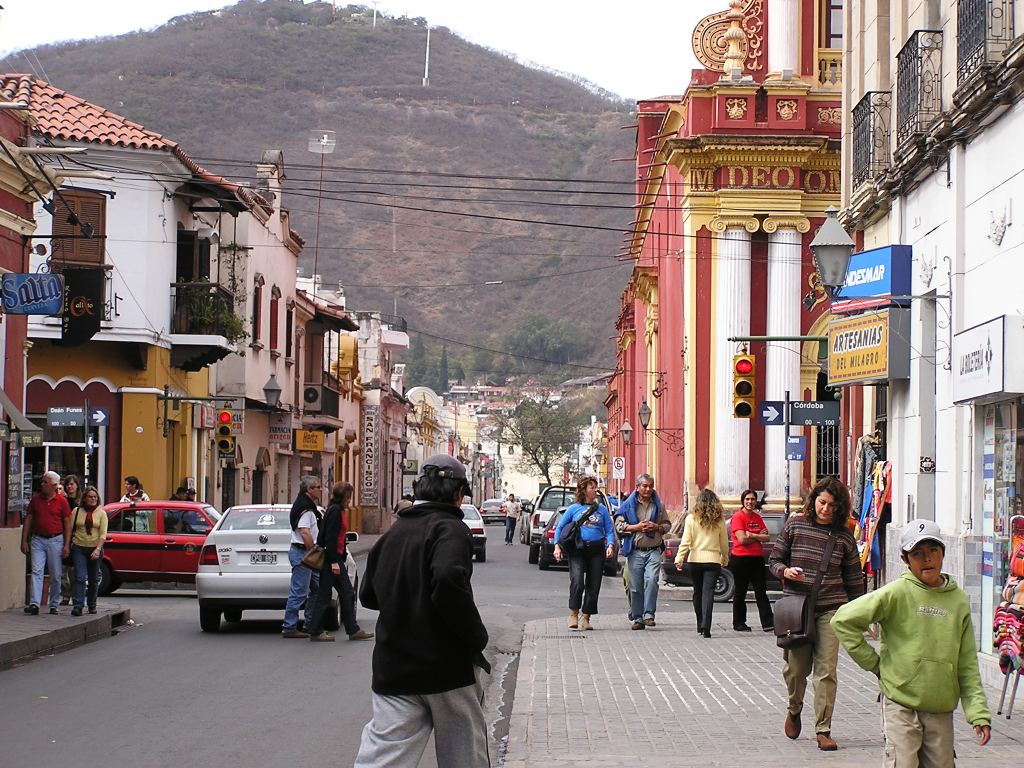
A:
x: 204, y: 324
x: 830, y: 67
x: 918, y: 84
x: 871, y: 136
x: 984, y: 30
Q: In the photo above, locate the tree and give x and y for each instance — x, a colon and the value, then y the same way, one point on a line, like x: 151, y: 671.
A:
x: 544, y: 433
x: 458, y: 373
x: 415, y: 366
x: 442, y: 371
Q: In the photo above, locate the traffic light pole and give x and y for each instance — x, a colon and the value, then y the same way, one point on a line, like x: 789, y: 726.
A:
x: 786, y: 454
x: 175, y: 402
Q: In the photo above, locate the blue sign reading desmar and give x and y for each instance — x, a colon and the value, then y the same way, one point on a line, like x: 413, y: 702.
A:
x: 873, y: 277
x: 36, y: 293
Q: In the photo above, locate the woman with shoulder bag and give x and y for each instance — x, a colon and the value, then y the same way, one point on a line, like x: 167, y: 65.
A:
x: 705, y: 546
x: 817, y: 536
x: 88, y: 532
x: 71, y: 488
x: 333, y: 572
x: 594, y: 541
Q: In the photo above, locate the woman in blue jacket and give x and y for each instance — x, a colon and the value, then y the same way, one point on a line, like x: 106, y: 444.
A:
x: 594, y: 543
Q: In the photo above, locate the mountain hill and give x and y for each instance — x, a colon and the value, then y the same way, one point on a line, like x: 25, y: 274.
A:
x: 503, y: 145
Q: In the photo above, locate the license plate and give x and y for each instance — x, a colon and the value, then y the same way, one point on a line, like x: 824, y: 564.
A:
x: 263, y: 558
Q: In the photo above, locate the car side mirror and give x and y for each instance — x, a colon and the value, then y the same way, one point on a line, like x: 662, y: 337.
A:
x: 351, y: 537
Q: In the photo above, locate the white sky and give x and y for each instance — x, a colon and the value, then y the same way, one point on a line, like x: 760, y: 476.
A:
x: 636, y: 50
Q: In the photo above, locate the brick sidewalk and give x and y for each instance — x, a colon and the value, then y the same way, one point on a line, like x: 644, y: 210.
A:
x: 684, y: 698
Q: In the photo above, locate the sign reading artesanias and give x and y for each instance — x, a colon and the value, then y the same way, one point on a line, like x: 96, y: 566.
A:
x: 369, y: 469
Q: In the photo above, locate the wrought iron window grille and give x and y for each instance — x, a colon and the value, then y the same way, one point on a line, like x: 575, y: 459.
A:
x: 918, y: 84
x: 871, y: 131
x: 984, y: 30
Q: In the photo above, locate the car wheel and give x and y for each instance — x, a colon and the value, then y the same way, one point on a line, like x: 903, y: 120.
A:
x: 522, y: 534
x: 725, y: 586
x: 233, y: 615
x: 534, y: 554
x: 209, y: 619
x: 543, y: 562
x: 108, y: 582
x: 481, y: 555
x: 332, y: 621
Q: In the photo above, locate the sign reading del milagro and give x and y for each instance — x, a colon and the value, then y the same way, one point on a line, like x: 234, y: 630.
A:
x: 369, y: 470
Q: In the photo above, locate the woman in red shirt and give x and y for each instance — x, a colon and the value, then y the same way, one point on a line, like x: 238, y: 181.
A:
x: 746, y: 561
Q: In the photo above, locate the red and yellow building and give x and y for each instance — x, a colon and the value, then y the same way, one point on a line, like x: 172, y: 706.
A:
x: 733, y: 179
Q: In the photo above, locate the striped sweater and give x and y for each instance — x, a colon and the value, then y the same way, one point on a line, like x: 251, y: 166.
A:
x: 801, y: 544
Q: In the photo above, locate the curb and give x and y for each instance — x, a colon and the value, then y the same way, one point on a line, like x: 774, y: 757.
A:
x: 50, y: 640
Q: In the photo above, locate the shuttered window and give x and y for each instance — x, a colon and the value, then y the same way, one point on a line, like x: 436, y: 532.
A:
x: 91, y: 209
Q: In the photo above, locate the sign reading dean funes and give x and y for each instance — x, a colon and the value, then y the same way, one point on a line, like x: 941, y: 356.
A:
x: 873, y: 277
x: 36, y: 293
x: 869, y: 348
x: 369, y: 491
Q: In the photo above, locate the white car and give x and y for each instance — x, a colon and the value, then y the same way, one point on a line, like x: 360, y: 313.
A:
x: 244, y: 566
x: 471, y: 517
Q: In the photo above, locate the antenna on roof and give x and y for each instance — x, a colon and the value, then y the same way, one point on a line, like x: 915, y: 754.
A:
x: 320, y: 143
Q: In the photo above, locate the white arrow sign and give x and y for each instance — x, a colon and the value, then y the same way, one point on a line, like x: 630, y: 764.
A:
x: 770, y: 413
x: 98, y: 417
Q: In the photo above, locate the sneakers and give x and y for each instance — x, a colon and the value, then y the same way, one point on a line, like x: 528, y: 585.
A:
x: 826, y: 743
x: 323, y: 637
x: 792, y: 727
x: 769, y: 628
x: 649, y: 622
x: 639, y: 625
x: 92, y: 610
x: 54, y: 612
x: 742, y: 628
x: 293, y: 634
x: 362, y: 634
x: 76, y: 611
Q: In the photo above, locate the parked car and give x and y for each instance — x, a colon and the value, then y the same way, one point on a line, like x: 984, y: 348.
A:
x: 526, y: 518
x: 546, y: 557
x: 475, y: 522
x: 550, y: 499
x: 244, y: 566
x: 725, y: 586
x: 154, y: 541
x: 493, y: 511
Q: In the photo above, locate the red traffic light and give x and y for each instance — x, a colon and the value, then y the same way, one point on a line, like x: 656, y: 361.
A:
x: 224, y: 417
x: 744, y: 366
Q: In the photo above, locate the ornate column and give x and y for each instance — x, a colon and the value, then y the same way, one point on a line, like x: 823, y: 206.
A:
x: 782, y: 359
x: 783, y: 21
x: 730, y: 437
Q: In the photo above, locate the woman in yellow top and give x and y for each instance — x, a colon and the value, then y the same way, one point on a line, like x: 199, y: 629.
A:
x: 88, y: 531
x: 705, y: 546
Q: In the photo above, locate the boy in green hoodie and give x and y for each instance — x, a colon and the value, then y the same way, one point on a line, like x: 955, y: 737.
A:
x: 928, y: 659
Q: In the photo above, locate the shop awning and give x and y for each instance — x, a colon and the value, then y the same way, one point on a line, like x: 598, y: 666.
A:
x: 28, y: 432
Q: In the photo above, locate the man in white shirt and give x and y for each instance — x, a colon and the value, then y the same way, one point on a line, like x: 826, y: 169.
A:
x: 513, y: 509
x: 305, y: 521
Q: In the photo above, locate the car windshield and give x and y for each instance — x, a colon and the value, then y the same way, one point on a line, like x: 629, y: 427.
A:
x: 561, y: 497
x: 213, y: 513
x: 469, y: 512
x: 243, y: 518
x: 492, y: 503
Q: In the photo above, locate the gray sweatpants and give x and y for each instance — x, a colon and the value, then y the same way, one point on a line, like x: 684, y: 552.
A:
x: 397, y: 735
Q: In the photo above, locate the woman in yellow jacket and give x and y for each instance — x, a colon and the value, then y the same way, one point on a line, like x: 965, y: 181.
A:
x: 705, y: 546
x: 88, y: 531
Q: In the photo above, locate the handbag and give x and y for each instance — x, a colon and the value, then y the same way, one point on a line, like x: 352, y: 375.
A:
x: 794, y: 614
x: 569, y: 540
x: 314, y: 559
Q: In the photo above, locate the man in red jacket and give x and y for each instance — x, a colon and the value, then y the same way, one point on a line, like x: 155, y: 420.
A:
x: 430, y: 639
x: 46, y: 533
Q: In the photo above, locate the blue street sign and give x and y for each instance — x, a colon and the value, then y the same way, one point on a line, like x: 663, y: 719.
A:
x: 99, y: 417
x: 66, y: 416
x: 814, y: 413
x: 796, y: 448
x: 772, y: 412
x: 35, y: 293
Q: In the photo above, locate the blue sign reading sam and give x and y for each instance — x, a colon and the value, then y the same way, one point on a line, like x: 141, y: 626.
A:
x: 873, y: 277
x: 37, y: 293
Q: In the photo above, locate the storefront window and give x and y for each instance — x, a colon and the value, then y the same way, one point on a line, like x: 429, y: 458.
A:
x: 68, y: 451
x: 1002, y: 502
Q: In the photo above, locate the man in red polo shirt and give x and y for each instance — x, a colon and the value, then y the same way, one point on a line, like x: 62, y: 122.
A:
x: 46, y: 533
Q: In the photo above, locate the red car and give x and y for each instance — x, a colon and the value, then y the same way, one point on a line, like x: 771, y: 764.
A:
x: 154, y: 541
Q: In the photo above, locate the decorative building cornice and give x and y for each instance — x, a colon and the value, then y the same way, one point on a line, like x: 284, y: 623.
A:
x: 626, y: 339
x: 721, y: 223
x: 773, y: 223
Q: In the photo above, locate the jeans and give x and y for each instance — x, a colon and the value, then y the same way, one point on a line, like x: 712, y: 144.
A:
x: 46, y: 556
x: 510, y: 529
x: 644, y: 566
x: 585, y: 571
x: 304, y: 587
x: 85, y: 566
x: 749, y: 569
x: 346, y: 599
x: 704, y: 577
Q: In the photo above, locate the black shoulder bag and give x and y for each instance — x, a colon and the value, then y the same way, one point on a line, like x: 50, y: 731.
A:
x: 569, y: 540
x: 794, y: 614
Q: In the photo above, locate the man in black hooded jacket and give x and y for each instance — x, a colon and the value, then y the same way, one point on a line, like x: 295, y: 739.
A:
x: 430, y: 638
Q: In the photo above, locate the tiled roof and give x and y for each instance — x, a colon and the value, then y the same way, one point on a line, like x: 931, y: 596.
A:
x: 61, y: 115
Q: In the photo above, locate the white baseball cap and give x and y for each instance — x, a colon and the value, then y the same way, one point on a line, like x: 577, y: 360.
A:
x: 920, y: 530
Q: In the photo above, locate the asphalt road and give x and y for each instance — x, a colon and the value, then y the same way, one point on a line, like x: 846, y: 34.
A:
x: 162, y: 693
